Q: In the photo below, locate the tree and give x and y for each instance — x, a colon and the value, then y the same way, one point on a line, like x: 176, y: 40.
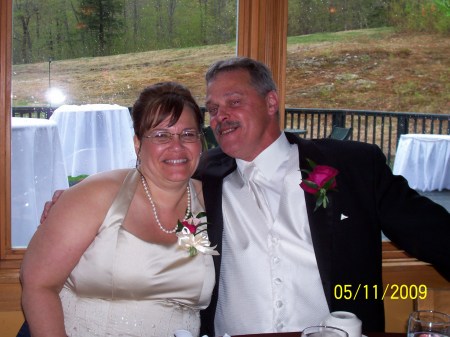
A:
x: 24, y: 12
x: 172, y: 4
x: 203, y: 4
x: 102, y: 18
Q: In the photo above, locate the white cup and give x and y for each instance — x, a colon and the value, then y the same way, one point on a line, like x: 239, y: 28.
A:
x: 182, y: 333
x: 346, y: 321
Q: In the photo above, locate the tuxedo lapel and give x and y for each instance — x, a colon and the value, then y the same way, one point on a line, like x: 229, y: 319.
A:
x: 321, y: 220
x: 213, y: 168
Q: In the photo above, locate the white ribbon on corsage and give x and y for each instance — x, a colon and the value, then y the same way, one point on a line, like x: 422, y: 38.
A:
x: 195, y: 243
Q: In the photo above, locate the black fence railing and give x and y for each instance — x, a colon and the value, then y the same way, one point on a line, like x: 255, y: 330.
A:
x: 376, y: 127
x: 32, y: 112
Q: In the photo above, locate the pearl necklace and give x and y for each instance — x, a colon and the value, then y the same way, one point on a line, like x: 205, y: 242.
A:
x: 155, y: 214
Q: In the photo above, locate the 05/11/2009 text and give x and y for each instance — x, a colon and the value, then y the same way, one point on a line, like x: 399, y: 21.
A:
x: 369, y: 292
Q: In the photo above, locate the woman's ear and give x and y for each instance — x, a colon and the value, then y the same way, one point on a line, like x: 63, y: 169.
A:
x: 137, y: 145
x: 137, y: 149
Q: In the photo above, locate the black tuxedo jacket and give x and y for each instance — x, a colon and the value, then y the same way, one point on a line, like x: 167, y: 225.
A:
x: 348, y: 251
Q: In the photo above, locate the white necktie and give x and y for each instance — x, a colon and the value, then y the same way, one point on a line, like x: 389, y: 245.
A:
x: 254, y: 178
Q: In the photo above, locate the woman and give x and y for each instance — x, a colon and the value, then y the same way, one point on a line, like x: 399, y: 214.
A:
x: 110, y: 259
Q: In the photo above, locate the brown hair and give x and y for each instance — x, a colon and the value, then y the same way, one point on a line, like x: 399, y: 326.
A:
x: 159, y: 101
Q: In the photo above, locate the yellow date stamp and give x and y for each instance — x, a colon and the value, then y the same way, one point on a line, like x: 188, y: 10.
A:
x: 374, y: 292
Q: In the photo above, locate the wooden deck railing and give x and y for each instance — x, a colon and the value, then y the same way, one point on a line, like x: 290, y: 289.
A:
x: 376, y: 127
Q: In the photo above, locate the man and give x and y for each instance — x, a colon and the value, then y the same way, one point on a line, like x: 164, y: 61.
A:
x: 283, y: 260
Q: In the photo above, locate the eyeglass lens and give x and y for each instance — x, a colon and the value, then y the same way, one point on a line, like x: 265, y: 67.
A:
x: 162, y: 137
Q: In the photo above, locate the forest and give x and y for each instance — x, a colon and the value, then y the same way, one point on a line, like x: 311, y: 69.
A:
x: 44, y: 30
x: 65, y: 29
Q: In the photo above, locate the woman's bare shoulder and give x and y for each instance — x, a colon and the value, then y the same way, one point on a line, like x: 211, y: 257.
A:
x: 95, y: 191
x: 108, y: 177
x: 98, y: 189
x: 104, y: 181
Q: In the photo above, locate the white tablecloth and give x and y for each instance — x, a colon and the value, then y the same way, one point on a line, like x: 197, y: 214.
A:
x: 424, y: 160
x: 95, y: 137
x: 37, y: 170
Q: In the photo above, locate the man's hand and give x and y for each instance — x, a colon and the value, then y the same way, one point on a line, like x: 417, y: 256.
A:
x: 49, y: 204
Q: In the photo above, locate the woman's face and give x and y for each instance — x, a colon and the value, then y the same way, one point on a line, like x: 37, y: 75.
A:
x: 175, y: 161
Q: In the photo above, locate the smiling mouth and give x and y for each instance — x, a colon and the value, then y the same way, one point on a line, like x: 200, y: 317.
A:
x: 224, y: 132
x: 226, y: 128
x: 175, y: 161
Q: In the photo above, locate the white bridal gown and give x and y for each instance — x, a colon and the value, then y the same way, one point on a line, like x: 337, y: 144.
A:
x: 124, y: 286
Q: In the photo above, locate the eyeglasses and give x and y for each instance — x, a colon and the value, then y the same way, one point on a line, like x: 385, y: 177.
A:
x: 164, y: 137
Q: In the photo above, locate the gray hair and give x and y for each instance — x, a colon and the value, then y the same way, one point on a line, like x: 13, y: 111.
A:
x: 260, y: 75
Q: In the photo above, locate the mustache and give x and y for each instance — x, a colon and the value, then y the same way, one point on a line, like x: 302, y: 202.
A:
x: 226, y: 125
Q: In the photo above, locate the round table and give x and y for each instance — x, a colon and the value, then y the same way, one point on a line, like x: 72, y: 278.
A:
x: 95, y: 137
x: 37, y: 170
x: 424, y: 160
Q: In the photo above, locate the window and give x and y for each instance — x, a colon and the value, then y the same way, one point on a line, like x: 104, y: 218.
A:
x: 61, y: 46
x: 255, y: 19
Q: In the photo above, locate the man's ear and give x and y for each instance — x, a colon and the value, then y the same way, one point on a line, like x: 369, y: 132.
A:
x: 272, y: 102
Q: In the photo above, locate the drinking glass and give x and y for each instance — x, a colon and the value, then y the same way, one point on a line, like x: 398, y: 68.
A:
x: 428, y: 323
x: 323, y: 331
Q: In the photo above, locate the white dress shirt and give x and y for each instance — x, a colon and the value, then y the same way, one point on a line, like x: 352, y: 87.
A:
x: 269, y: 280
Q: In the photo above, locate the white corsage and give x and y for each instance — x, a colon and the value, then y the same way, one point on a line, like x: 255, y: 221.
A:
x: 192, y: 235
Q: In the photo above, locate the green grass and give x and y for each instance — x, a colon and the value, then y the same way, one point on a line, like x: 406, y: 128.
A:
x: 76, y: 180
x: 350, y: 35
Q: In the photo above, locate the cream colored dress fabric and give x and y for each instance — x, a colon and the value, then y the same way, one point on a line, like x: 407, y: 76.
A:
x: 124, y: 286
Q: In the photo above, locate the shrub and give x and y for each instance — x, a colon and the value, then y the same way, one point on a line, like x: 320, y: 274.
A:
x: 431, y: 16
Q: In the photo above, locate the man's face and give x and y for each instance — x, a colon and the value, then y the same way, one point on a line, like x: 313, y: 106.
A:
x: 244, y: 122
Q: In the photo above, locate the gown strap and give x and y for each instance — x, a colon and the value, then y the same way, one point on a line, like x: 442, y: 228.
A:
x: 119, y: 208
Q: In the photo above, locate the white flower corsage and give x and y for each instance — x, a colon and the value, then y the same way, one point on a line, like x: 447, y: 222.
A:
x: 192, y: 235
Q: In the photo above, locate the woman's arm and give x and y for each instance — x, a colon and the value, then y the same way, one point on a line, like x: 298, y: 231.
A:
x: 57, y: 246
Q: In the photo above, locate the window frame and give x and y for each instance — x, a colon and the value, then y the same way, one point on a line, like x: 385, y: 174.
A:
x: 9, y: 258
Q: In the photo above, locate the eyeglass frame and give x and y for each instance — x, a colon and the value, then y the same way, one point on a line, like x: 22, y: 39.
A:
x: 154, y: 140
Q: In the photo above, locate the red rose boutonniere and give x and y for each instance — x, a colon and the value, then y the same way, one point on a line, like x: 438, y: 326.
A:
x: 319, y: 181
x: 192, y: 235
